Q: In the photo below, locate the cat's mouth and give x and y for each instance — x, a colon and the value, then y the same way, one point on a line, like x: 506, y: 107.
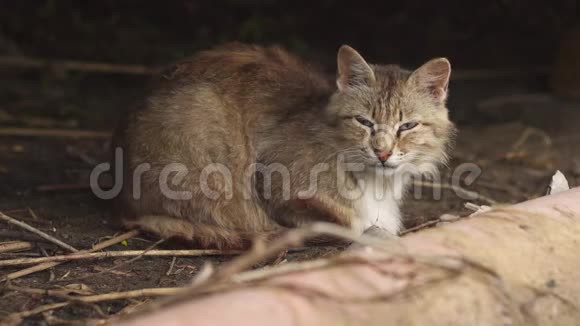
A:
x: 386, y: 166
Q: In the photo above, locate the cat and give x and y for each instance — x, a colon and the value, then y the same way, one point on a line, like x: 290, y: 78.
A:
x: 241, y: 140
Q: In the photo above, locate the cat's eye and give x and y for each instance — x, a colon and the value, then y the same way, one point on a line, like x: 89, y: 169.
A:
x: 364, y: 122
x: 407, y: 126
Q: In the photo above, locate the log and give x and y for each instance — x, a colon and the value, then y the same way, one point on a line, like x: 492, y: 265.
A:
x: 517, y: 265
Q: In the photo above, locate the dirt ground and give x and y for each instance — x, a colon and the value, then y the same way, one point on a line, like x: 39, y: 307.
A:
x: 518, y: 134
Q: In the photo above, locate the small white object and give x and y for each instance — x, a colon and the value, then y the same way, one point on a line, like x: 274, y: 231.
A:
x: 477, y: 209
x: 448, y: 217
x: 558, y: 184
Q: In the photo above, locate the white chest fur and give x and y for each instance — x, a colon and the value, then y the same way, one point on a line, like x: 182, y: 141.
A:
x: 378, y: 204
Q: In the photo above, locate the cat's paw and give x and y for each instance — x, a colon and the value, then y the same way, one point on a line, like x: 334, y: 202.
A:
x: 374, y: 232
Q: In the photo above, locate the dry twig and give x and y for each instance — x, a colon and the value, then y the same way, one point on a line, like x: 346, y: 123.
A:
x: 50, y: 270
x: 124, y: 253
x: 48, y: 265
x: 98, y: 67
x: 61, y: 133
x: 64, y: 293
x: 277, y: 270
x: 37, y: 232
x: 171, y: 266
x: 11, y: 246
x: 16, y: 318
x: 117, y: 266
x: 63, y: 187
x: 155, y: 292
x: 420, y: 226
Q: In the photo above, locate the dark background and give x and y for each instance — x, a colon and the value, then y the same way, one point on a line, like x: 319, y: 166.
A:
x: 521, y: 36
x: 478, y: 34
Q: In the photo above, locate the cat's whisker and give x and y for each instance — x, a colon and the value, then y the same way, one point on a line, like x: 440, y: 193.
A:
x: 345, y: 151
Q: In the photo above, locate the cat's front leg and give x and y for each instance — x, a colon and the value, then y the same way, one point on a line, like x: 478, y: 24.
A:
x: 375, y: 232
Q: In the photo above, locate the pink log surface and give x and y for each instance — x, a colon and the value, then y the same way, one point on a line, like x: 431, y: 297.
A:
x: 532, y: 242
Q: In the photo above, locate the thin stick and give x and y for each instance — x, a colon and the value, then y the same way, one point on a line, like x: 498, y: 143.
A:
x: 420, y: 226
x: 458, y: 190
x: 147, y: 292
x: 32, y: 213
x: 37, y: 231
x: 50, y: 270
x: 125, y: 253
x: 62, y: 133
x: 16, y: 318
x: 154, y: 292
x: 44, y: 266
x: 261, y: 273
x: 19, y: 254
x: 291, y: 239
x: 97, y: 67
x: 171, y: 266
x: 117, y: 266
x: 11, y: 246
x: 63, y: 187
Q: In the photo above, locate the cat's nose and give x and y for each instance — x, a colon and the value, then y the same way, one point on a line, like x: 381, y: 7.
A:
x: 383, y: 156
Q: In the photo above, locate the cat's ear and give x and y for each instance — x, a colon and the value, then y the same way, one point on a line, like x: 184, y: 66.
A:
x: 352, y: 69
x: 433, y: 77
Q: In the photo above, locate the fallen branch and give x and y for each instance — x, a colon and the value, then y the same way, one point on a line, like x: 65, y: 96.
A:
x: 45, y: 266
x: 59, y: 133
x: 125, y: 253
x: 62, y: 293
x: 420, y: 227
x: 37, y: 232
x: 11, y: 246
x: 96, y: 67
x: 16, y: 318
x: 117, y: 266
x: 19, y: 254
x: 63, y: 187
x: 171, y: 266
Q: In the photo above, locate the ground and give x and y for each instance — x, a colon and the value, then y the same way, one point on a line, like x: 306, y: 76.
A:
x: 517, y: 134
